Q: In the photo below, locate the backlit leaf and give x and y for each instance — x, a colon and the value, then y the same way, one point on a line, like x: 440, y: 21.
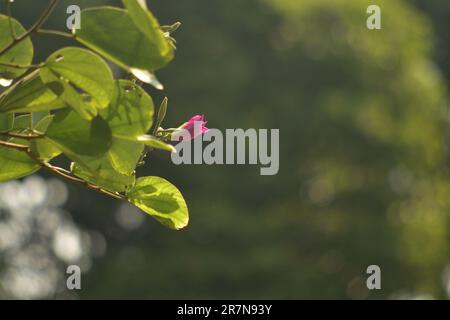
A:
x: 160, y: 199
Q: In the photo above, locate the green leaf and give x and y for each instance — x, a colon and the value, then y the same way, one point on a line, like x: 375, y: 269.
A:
x: 132, y: 40
x: 69, y: 95
x: 105, y: 176
x: 6, y: 122
x: 44, y: 148
x: 129, y: 116
x: 36, y: 117
x: 131, y: 113
x: 31, y: 95
x: 15, y: 164
x: 75, y: 68
x: 160, y: 199
x: 43, y: 123
x: 145, y: 21
x: 21, y: 54
x: 22, y: 122
x: 153, y: 142
x: 125, y: 155
x: 77, y: 137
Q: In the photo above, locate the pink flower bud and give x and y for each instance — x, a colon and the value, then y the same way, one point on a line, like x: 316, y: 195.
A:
x: 196, y: 126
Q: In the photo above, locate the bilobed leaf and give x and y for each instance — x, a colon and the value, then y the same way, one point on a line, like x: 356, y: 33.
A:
x: 105, y: 176
x: 130, y: 39
x: 21, y: 54
x: 31, y: 95
x: 79, y: 138
x: 160, y: 199
x: 129, y: 116
x: 76, y: 68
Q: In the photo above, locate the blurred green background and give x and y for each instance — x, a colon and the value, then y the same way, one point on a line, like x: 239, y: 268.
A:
x: 364, y: 122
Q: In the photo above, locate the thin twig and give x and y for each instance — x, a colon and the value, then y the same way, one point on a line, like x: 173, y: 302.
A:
x: 8, y: 11
x: 56, y: 33
x: 42, y: 19
x: 22, y: 66
x: 16, y: 146
x: 21, y: 135
x: 67, y: 175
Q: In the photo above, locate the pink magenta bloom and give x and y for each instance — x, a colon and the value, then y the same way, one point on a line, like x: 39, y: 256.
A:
x: 196, y: 126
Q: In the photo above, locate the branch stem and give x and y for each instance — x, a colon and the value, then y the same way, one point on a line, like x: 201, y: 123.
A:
x: 24, y: 136
x: 21, y: 66
x: 11, y: 27
x: 55, y: 33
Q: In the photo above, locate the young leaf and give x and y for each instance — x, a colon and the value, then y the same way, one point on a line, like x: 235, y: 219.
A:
x: 21, y: 54
x: 79, y: 68
x: 171, y: 28
x: 161, y: 114
x: 160, y: 199
x: 129, y: 39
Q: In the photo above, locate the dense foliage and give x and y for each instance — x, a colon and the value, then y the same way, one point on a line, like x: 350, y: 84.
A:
x: 71, y: 104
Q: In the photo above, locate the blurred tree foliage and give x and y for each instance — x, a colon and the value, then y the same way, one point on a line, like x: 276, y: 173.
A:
x: 364, y: 167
